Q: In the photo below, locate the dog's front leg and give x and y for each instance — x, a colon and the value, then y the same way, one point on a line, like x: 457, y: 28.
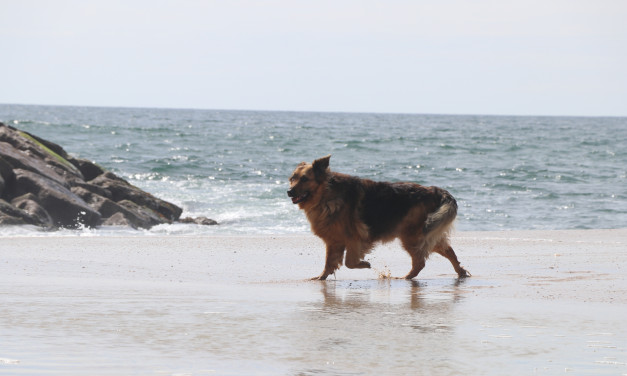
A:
x: 354, y: 255
x: 335, y: 254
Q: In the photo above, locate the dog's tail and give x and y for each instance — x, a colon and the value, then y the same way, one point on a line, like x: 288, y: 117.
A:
x: 444, y: 216
x: 440, y: 222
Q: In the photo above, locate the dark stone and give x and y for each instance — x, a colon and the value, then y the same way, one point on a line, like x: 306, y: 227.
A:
x: 20, y: 159
x: 50, y: 145
x: 7, y: 220
x: 66, y: 208
x: 117, y: 219
x: 10, y: 215
x: 93, y: 189
x: 199, y: 221
x: 30, y: 204
x: 6, y: 175
x: 122, y: 190
x: 108, y: 175
x: 108, y: 208
x: 85, y: 195
x: 16, y: 139
x: 142, y: 216
x: 89, y: 170
x: 40, y: 153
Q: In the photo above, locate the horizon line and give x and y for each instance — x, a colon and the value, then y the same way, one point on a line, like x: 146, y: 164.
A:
x: 308, y: 111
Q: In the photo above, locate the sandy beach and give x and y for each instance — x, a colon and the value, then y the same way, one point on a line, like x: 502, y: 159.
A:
x: 539, y: 302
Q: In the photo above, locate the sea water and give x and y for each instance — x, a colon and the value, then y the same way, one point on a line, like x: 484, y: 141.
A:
x: 507, y: 172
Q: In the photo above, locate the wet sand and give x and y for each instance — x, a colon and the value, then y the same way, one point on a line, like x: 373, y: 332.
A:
x: 539, y: 302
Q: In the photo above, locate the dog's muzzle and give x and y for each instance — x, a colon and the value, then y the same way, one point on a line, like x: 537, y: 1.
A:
x: 297, y: 198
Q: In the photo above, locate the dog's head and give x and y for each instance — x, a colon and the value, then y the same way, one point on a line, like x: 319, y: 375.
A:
x: 307, y: 180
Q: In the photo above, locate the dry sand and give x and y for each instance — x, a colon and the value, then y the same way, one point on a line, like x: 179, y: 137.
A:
x: 539, y: 302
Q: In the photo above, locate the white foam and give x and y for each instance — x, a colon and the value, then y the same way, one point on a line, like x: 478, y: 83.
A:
x: 9, y: 361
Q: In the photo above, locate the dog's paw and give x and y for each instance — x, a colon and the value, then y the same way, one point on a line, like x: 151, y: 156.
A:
x: 464, y: 273
x: 321, y: 277
x: 359, y: 265
x: 411, y: 275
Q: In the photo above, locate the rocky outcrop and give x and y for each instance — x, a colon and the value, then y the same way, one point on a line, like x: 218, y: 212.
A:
x: 40, y: 184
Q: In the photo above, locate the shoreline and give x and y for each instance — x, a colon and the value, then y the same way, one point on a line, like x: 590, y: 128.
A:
x: 537, y: 302
x: 492, y: 255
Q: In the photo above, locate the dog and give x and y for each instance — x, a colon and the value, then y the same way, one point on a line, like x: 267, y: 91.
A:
x: 353, y: 214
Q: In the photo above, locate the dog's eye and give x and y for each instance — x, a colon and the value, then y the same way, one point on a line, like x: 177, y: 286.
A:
x: 304, y: 179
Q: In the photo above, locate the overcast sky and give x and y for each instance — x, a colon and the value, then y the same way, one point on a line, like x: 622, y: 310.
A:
x: 523, y: 57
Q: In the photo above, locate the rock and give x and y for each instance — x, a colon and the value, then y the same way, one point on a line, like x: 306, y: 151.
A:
x: 133, y: 213
x: 10, y: 215
x: 51, y: 146
x: 28, y: 161
x: 7, y: 220
x: 108, y: 208
x: 199, y: 221
x: 141, y: 217
x: 93, y: 189
x: 88, y: 169
x: 41, y: 184
x: 6, y: 174
x: 117, y: 219
x: 122, y: 190
x: 89, y: 197
x: 36, y: 154
x: 65, y: 207
x: 30, y: 204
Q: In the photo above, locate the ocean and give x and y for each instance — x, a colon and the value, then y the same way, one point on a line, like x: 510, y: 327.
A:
x: 507, y: 172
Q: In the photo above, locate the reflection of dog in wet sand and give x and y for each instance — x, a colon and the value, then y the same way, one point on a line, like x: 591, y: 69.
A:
x: 352, y: 214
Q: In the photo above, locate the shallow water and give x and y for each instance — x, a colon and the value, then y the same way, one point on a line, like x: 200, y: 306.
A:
x: 240, y: 306
x: 342, y: 327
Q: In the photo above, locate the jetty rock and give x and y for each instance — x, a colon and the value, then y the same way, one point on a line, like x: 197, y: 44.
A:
x: 42, y: 185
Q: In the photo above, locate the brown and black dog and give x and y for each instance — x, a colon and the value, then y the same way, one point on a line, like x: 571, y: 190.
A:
x: 352, y: 214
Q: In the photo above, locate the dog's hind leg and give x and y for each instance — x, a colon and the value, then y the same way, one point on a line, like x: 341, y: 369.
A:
x: 335, y: 254
x: 418, y: 256
x: 446, y: 250
x: 417, y: 264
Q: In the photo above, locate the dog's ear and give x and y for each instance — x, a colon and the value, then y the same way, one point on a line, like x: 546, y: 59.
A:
x: 320, y: 166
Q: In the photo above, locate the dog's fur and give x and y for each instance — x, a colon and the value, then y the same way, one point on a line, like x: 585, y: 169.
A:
x: 352, y: 214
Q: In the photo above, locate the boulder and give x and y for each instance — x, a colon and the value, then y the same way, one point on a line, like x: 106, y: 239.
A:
x: 8, y: 220
x: 199, y: 221
x: 25, y: 160
x: 89, y: 169
x: 141, y: 216
x: 93, y: 189
x: 117, y: 219
x: 30, y: 204
x: 65, y: 208
x: 6, y: 174
x: 36, y: 154
x: 133, y: 214
x: 10, y: 215
x: 121, y: 190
